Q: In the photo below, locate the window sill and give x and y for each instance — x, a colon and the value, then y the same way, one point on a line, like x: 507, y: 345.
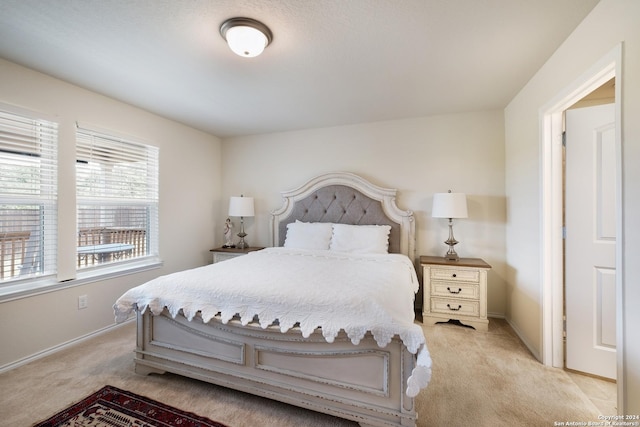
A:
x: 37, y: 286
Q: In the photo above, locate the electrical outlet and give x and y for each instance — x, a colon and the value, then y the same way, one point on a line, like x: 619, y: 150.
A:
x: 83, y: 302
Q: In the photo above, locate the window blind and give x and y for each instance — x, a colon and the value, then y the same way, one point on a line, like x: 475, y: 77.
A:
x: 117, y: 198
x: 28, y: 196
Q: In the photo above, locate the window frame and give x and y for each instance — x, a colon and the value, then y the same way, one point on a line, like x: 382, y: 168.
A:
x: 43, y: 145
x: 151, y: 201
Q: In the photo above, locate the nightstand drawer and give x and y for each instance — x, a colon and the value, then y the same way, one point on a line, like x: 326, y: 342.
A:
x: 455, y: 290
x: 223, y: 254
x: 219, y: 257
x: 455, y: 307
x: 459, y: 275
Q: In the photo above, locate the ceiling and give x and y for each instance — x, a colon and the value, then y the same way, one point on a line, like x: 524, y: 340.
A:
x: 331, y: 62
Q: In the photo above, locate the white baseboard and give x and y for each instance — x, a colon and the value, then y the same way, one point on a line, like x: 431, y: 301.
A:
x: 527, y: 344
x: 62, y: 346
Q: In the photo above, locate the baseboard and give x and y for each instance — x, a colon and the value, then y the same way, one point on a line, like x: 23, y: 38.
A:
x: 526, y: 342
x: 57, y: 348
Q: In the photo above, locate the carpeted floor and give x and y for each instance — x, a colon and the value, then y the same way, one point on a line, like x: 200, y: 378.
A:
x: 479, y: 378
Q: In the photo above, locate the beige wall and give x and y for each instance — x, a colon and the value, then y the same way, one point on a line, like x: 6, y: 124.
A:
x: 419, y: 157
x: 611, y: 22
x: 190, y: 183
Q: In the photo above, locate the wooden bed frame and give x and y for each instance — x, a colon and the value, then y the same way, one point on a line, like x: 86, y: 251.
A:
x: 363, y: 383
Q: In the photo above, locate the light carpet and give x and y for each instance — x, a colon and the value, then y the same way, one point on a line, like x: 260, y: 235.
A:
x: 479, y: 379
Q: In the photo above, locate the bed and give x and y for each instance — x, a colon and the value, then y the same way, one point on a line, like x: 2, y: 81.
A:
x: 273, y: 326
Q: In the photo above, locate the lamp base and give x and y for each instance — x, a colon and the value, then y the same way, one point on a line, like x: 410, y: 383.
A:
x: 242, y: 244
x: 451, y: 254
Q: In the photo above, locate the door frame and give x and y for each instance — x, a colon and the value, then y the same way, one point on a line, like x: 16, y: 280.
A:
x: 552, y: 274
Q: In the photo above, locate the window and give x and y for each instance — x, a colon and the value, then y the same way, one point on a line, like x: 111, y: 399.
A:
x: 28, y: 196
x: 117, y: 199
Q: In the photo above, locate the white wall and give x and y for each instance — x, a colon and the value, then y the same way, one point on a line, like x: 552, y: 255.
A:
x: 419, y: 157
x: 611, y: 22
x: 190, y: 183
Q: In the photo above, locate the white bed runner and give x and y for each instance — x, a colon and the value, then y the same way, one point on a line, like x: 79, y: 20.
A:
x: 330, y: 290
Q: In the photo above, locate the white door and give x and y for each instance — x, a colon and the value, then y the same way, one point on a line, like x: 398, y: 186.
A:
x: 590, y: 244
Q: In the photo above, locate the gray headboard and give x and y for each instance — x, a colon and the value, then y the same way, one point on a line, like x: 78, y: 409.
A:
x: 346, y: 198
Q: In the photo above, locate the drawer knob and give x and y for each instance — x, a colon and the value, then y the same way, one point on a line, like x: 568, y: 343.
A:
x: 454, y: 309
x: 454, y: 292
x: 454, y: 275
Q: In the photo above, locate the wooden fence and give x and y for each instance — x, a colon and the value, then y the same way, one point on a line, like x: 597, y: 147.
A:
x: 101, y: 236
x: 13, y: 247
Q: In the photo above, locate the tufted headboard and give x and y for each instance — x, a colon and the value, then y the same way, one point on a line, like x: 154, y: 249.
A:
x: 346, y: 198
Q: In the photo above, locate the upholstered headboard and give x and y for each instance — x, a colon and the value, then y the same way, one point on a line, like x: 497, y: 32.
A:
x: 345, y: 198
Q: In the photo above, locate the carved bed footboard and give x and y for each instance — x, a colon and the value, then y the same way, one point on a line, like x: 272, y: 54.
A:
x: 363, y: 383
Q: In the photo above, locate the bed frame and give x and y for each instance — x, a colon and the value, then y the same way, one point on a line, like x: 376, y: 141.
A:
x: 363, y: 383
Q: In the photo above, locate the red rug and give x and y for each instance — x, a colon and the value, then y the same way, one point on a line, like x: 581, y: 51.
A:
x: 112, y: 407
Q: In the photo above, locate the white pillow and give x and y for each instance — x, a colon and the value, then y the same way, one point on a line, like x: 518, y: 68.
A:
x: 361, y: 239
x: 308, y: 235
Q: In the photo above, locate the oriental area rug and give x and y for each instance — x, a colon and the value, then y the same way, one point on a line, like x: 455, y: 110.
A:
x: 112, y: 407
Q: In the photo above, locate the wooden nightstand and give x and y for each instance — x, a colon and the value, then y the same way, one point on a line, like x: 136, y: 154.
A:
x: 455, y: 290
x: 222, y: 254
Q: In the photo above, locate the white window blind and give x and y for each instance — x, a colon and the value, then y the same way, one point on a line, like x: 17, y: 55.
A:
x: 28, y: 196
x: 117, y: 198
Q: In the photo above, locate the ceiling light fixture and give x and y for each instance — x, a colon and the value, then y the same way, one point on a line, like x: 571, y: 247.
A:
x: 246, y: 37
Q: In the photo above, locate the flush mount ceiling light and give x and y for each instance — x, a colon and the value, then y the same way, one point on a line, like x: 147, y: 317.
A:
x: 246, y: 37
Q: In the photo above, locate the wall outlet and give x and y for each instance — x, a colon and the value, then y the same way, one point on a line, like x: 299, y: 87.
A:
x: 83, y: 302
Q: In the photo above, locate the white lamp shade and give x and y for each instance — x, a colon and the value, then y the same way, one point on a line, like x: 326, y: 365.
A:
x: 246, y: 41
x: 241, y: 206
x: 449, y: 205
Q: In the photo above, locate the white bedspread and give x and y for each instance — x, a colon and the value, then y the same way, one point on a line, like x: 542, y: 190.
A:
x: 330, y: 290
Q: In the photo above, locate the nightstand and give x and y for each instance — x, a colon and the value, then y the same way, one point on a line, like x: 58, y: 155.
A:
x: 455, y: 290
x: 222, y: 254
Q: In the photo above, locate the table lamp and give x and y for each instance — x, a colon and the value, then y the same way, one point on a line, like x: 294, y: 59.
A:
x: 242, y: 207
x: 450, y: 205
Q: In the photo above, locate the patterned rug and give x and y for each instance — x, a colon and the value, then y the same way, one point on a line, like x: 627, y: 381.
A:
x: 112, y: 407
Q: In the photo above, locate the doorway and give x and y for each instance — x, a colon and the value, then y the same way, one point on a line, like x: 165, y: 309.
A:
x: 552, y: 127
